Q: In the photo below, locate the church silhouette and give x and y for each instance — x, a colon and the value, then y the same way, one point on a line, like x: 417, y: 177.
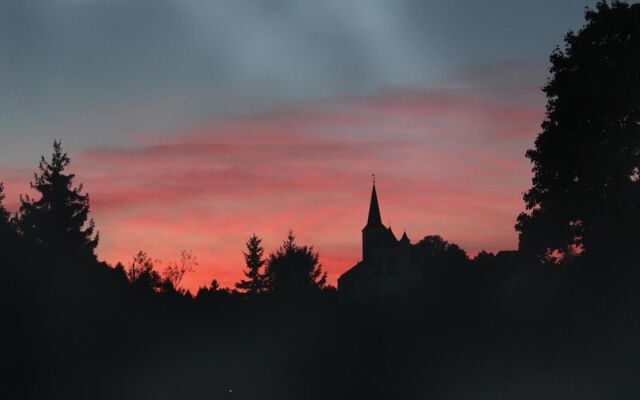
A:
x: 385, y: 274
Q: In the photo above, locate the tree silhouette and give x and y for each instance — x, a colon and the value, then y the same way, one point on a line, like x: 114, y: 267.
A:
x: 59, y: 217
x: 294, y: 269
x: 442, y: 267
x: 174, y: 273
x: 254, y: 283
x: 484, y: 260
x: 142, y: 273
x: 4, y: 214
x: 585, y: 196
x: 214, y: 293
x: 433, y: 250
x: 7, y: 230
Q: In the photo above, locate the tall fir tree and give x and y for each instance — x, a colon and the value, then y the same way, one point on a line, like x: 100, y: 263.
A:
x: 59, y: 218
x: 254, y: 284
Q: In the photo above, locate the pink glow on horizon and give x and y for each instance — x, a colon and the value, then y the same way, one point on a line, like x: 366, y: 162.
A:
x: 446, y: 164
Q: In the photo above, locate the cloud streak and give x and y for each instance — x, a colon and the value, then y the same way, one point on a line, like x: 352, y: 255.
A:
x: 446, y: 164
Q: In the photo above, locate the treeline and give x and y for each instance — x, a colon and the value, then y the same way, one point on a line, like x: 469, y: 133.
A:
x: 58, y: 221
x: 73, y: 325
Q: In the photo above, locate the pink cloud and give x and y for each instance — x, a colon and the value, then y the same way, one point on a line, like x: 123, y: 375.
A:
x: 446, y: 164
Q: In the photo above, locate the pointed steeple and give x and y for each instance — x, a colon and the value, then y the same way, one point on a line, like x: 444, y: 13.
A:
x: 374, y: 220
x: 405, y: 238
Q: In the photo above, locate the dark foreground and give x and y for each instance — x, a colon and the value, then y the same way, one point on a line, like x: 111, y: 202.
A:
x: 76, y: 329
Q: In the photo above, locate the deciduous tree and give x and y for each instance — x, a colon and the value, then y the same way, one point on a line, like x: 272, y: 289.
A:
x: 585, y: 196
x: 175, y: 271
x: 141, y: 272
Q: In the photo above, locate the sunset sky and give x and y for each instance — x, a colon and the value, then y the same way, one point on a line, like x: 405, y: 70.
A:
x: 194, y: 124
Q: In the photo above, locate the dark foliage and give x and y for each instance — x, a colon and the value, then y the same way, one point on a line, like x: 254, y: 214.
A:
x: 80, y: 329
x: 59, y: 218
x: 142, y: 273
x: 214, y: 295
x: 586, y: 189
x: 4, y: 214
x: 8, y: 236
x: 434, y: 251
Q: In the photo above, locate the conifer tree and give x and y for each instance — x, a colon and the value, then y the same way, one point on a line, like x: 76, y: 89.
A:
x: 294, y: 269
x: 59, y: 218
x: 254, y: 284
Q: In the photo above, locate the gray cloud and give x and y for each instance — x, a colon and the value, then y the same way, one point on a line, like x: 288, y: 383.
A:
x: 97, y: 70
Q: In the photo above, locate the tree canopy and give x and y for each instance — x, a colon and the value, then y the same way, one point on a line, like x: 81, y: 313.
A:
x: 60, y: 217
x: 433, y: 251
x: 585, y: 196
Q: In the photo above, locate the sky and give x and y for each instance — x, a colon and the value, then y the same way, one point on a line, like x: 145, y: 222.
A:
x: 193, y: 124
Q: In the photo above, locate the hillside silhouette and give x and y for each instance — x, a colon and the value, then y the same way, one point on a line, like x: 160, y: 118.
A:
x: 557, y: 319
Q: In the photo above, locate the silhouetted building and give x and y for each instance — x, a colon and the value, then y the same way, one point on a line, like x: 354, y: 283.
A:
x: 385, y: 274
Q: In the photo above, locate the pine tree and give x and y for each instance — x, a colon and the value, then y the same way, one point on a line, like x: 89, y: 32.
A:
x: 60, y: 217
x: 254, y: 284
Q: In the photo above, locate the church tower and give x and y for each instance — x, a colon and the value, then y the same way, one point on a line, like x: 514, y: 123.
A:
x: 375, y: 235
x: 385, y: 274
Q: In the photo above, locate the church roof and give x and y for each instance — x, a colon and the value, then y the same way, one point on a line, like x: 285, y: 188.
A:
x: 374, y: 220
